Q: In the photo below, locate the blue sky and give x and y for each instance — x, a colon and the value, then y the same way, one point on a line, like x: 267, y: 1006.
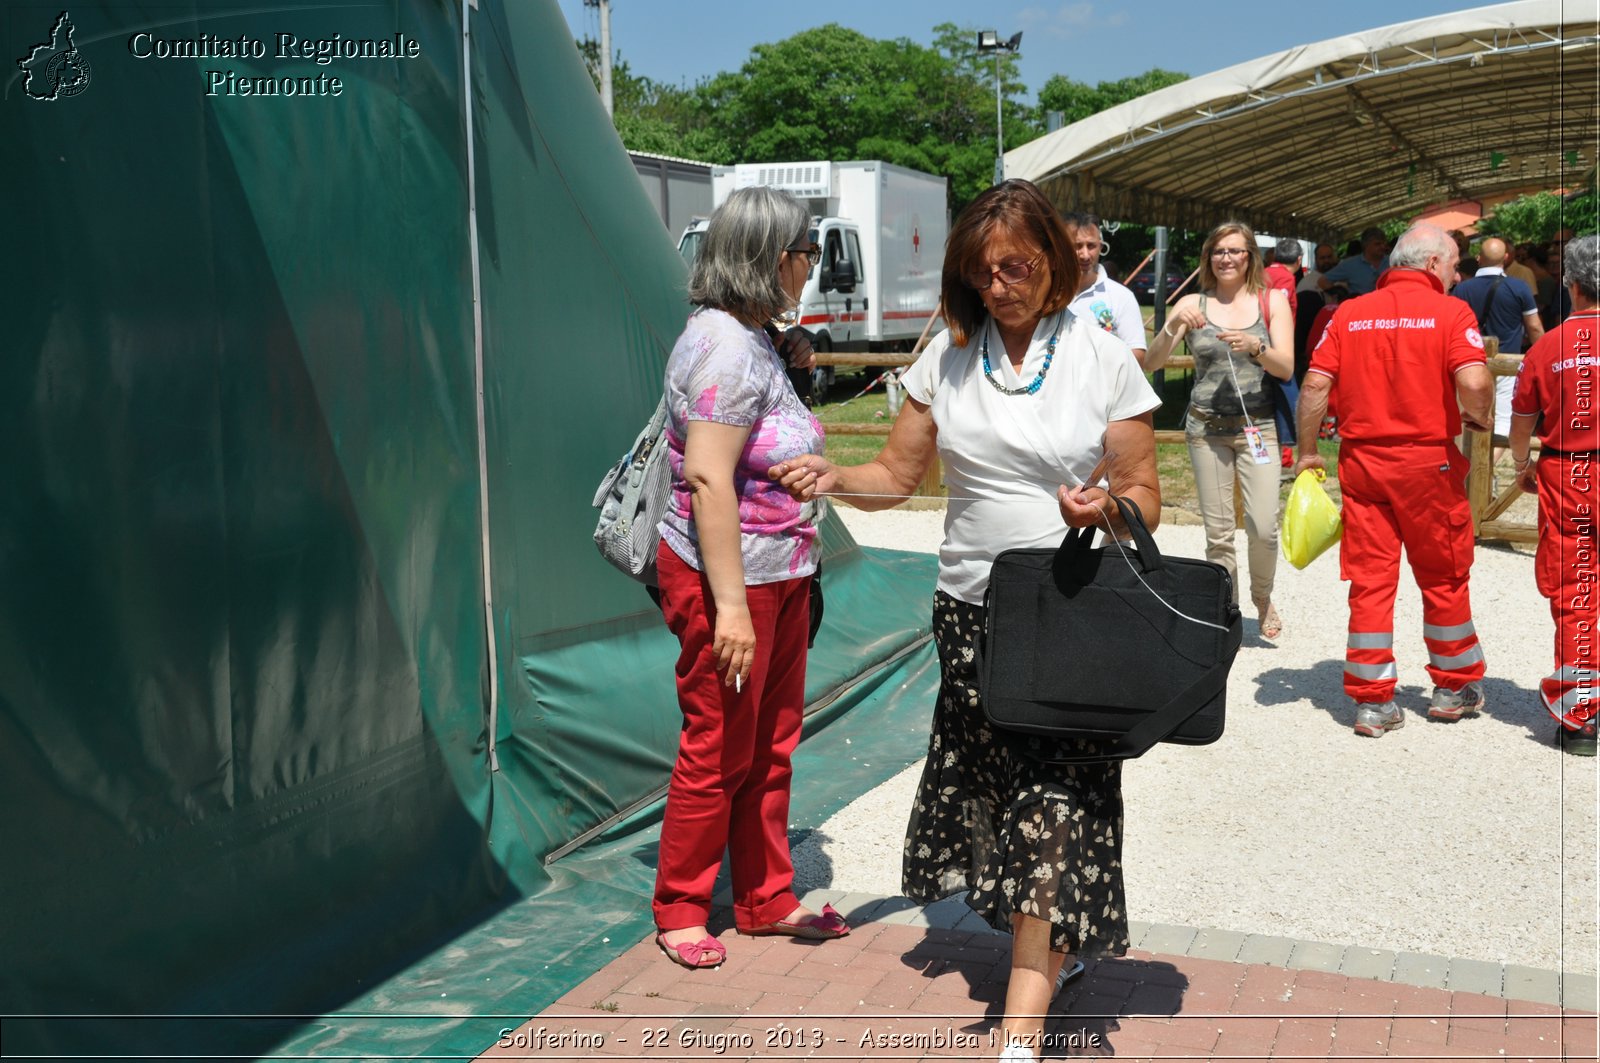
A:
x: 681, y: 41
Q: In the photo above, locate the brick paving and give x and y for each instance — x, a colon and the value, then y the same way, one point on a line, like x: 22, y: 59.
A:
x: 899, y: 989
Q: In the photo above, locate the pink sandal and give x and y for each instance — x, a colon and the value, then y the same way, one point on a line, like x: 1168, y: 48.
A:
x: 830, y: 924
x: 704, y: 954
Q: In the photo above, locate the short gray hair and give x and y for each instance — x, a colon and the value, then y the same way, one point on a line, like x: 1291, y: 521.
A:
x: 1419, y: 243
x: 736, y: 268
x: 1287, y: 252
x: 1580, y: 265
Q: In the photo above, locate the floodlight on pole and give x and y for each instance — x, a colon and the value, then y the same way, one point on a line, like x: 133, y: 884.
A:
x: 989, y: 41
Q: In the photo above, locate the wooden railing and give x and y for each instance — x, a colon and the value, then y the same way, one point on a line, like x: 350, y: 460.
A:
x: 1487, y: 507
x: 932, y: 483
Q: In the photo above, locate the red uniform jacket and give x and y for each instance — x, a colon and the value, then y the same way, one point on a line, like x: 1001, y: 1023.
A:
x: 1393, y: 355
x: 1560, y: 378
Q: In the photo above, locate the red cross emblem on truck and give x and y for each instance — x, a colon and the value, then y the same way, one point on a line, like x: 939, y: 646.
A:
x: 916, y: 242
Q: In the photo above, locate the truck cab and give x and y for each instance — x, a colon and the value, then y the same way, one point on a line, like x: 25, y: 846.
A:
x: 693, y: 233
x: 834, y: 304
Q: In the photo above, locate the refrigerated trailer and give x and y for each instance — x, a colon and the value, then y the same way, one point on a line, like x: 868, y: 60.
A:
x: 882, y: 230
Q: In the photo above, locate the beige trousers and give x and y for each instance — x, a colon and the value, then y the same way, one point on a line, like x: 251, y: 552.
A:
x: 1217, y: 460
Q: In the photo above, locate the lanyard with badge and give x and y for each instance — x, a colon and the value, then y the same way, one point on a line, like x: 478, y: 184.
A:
x: 1252, y: 431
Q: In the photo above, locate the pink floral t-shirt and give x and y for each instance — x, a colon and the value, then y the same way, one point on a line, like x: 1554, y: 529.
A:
x: 725, y: 371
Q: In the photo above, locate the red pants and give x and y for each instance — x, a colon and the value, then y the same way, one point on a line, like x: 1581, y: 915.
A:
x: 1566, y: 570
x: 730, y: 784
x: 1411, y: 495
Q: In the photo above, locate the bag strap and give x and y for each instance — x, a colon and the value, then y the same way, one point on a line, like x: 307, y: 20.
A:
x: 1488, y: 304
x: 647, y: 445
x: 1153, y: 728
x: 1079, y: 539
x: 1169, y: 717
x: 1264, y: 299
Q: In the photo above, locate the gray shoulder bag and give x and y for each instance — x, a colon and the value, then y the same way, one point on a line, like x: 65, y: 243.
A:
x: 632, y: 499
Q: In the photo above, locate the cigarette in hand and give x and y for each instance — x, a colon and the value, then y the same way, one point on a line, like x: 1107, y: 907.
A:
x: 1100, y: 468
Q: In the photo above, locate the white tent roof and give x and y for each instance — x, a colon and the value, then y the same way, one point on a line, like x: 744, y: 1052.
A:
x: 1325, y: 138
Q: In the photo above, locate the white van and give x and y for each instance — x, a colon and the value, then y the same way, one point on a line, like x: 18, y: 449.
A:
x: 882, y: 229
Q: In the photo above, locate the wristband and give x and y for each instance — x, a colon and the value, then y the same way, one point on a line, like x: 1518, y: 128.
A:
x: 1521, y: 463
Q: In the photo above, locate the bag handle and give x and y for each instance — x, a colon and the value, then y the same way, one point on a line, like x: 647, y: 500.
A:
x: 1079, y: 539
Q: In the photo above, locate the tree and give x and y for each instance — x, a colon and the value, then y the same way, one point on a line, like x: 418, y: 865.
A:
x: 1077, y: 101
x: 895, y: 100
x: 965, y: 111
x: 1526, y: 219
x: 650, y: 116
x: 1581, y: 213
x: 834, y: 93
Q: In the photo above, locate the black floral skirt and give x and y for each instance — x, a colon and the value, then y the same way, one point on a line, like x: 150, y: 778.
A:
x: 993, y: 818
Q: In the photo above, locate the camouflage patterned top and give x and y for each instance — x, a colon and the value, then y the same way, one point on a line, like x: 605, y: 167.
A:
x: 1215, y: 393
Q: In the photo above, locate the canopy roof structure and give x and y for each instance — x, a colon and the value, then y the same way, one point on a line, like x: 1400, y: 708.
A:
x: 1324, y: 138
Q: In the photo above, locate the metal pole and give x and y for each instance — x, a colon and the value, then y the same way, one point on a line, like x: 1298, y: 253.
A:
x: 1159, y: 377
x: 999, y: 129
x: 491, y: 650
x: 605, y: 56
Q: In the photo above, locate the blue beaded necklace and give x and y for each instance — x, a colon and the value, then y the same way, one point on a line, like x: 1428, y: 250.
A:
x: 1037, y: 382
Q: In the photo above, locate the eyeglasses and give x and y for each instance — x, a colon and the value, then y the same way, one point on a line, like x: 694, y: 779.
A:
x: 1230, y: 252
x: 1011, y: 274
x: 811, y: 251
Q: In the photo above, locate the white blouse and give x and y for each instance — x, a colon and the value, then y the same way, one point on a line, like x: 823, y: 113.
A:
x: 1011, y: 452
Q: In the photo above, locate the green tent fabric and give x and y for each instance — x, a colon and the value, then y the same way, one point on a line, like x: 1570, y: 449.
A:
x: 307, y: 664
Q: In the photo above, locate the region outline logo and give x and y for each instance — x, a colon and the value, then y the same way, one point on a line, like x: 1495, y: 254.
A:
x: 55, y: 69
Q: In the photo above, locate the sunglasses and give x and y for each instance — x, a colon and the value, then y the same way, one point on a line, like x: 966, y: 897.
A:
x: 1011, y: 274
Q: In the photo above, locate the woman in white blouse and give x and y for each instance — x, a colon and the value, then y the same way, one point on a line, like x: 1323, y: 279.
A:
x: 1020, y: 400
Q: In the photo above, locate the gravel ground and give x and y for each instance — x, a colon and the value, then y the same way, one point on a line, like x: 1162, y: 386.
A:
x: 1475, y: 839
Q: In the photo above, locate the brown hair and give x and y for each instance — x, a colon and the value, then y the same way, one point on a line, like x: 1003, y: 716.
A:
x: 1018, y: 208
x: 1254, y: 278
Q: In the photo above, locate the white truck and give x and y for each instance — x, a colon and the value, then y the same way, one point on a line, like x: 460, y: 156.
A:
x: 882, y: 230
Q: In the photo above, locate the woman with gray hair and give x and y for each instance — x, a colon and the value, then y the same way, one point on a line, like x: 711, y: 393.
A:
x: 736, y: 560
x: 1558, y: 384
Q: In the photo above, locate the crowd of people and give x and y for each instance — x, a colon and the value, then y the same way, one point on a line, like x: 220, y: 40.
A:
x: 1036, y: 401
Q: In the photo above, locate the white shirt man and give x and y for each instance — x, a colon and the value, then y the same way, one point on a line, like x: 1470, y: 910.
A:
x: 1311, y: 280
x: 1101, y: 301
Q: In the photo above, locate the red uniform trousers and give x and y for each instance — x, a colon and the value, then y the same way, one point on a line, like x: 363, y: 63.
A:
x: 730, y: 784
x: 1412, y: 495
x: 1565, y: 568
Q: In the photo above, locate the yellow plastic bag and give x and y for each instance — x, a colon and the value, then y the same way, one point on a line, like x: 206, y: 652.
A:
x: 1311, y: 521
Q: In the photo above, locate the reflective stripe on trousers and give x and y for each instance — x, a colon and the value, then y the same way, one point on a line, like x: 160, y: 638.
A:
x: 1369, y: 658
x: 1412, y: 496
x: 1452, y: 647
x: 1569, y: 695
x: 1567, y: 572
